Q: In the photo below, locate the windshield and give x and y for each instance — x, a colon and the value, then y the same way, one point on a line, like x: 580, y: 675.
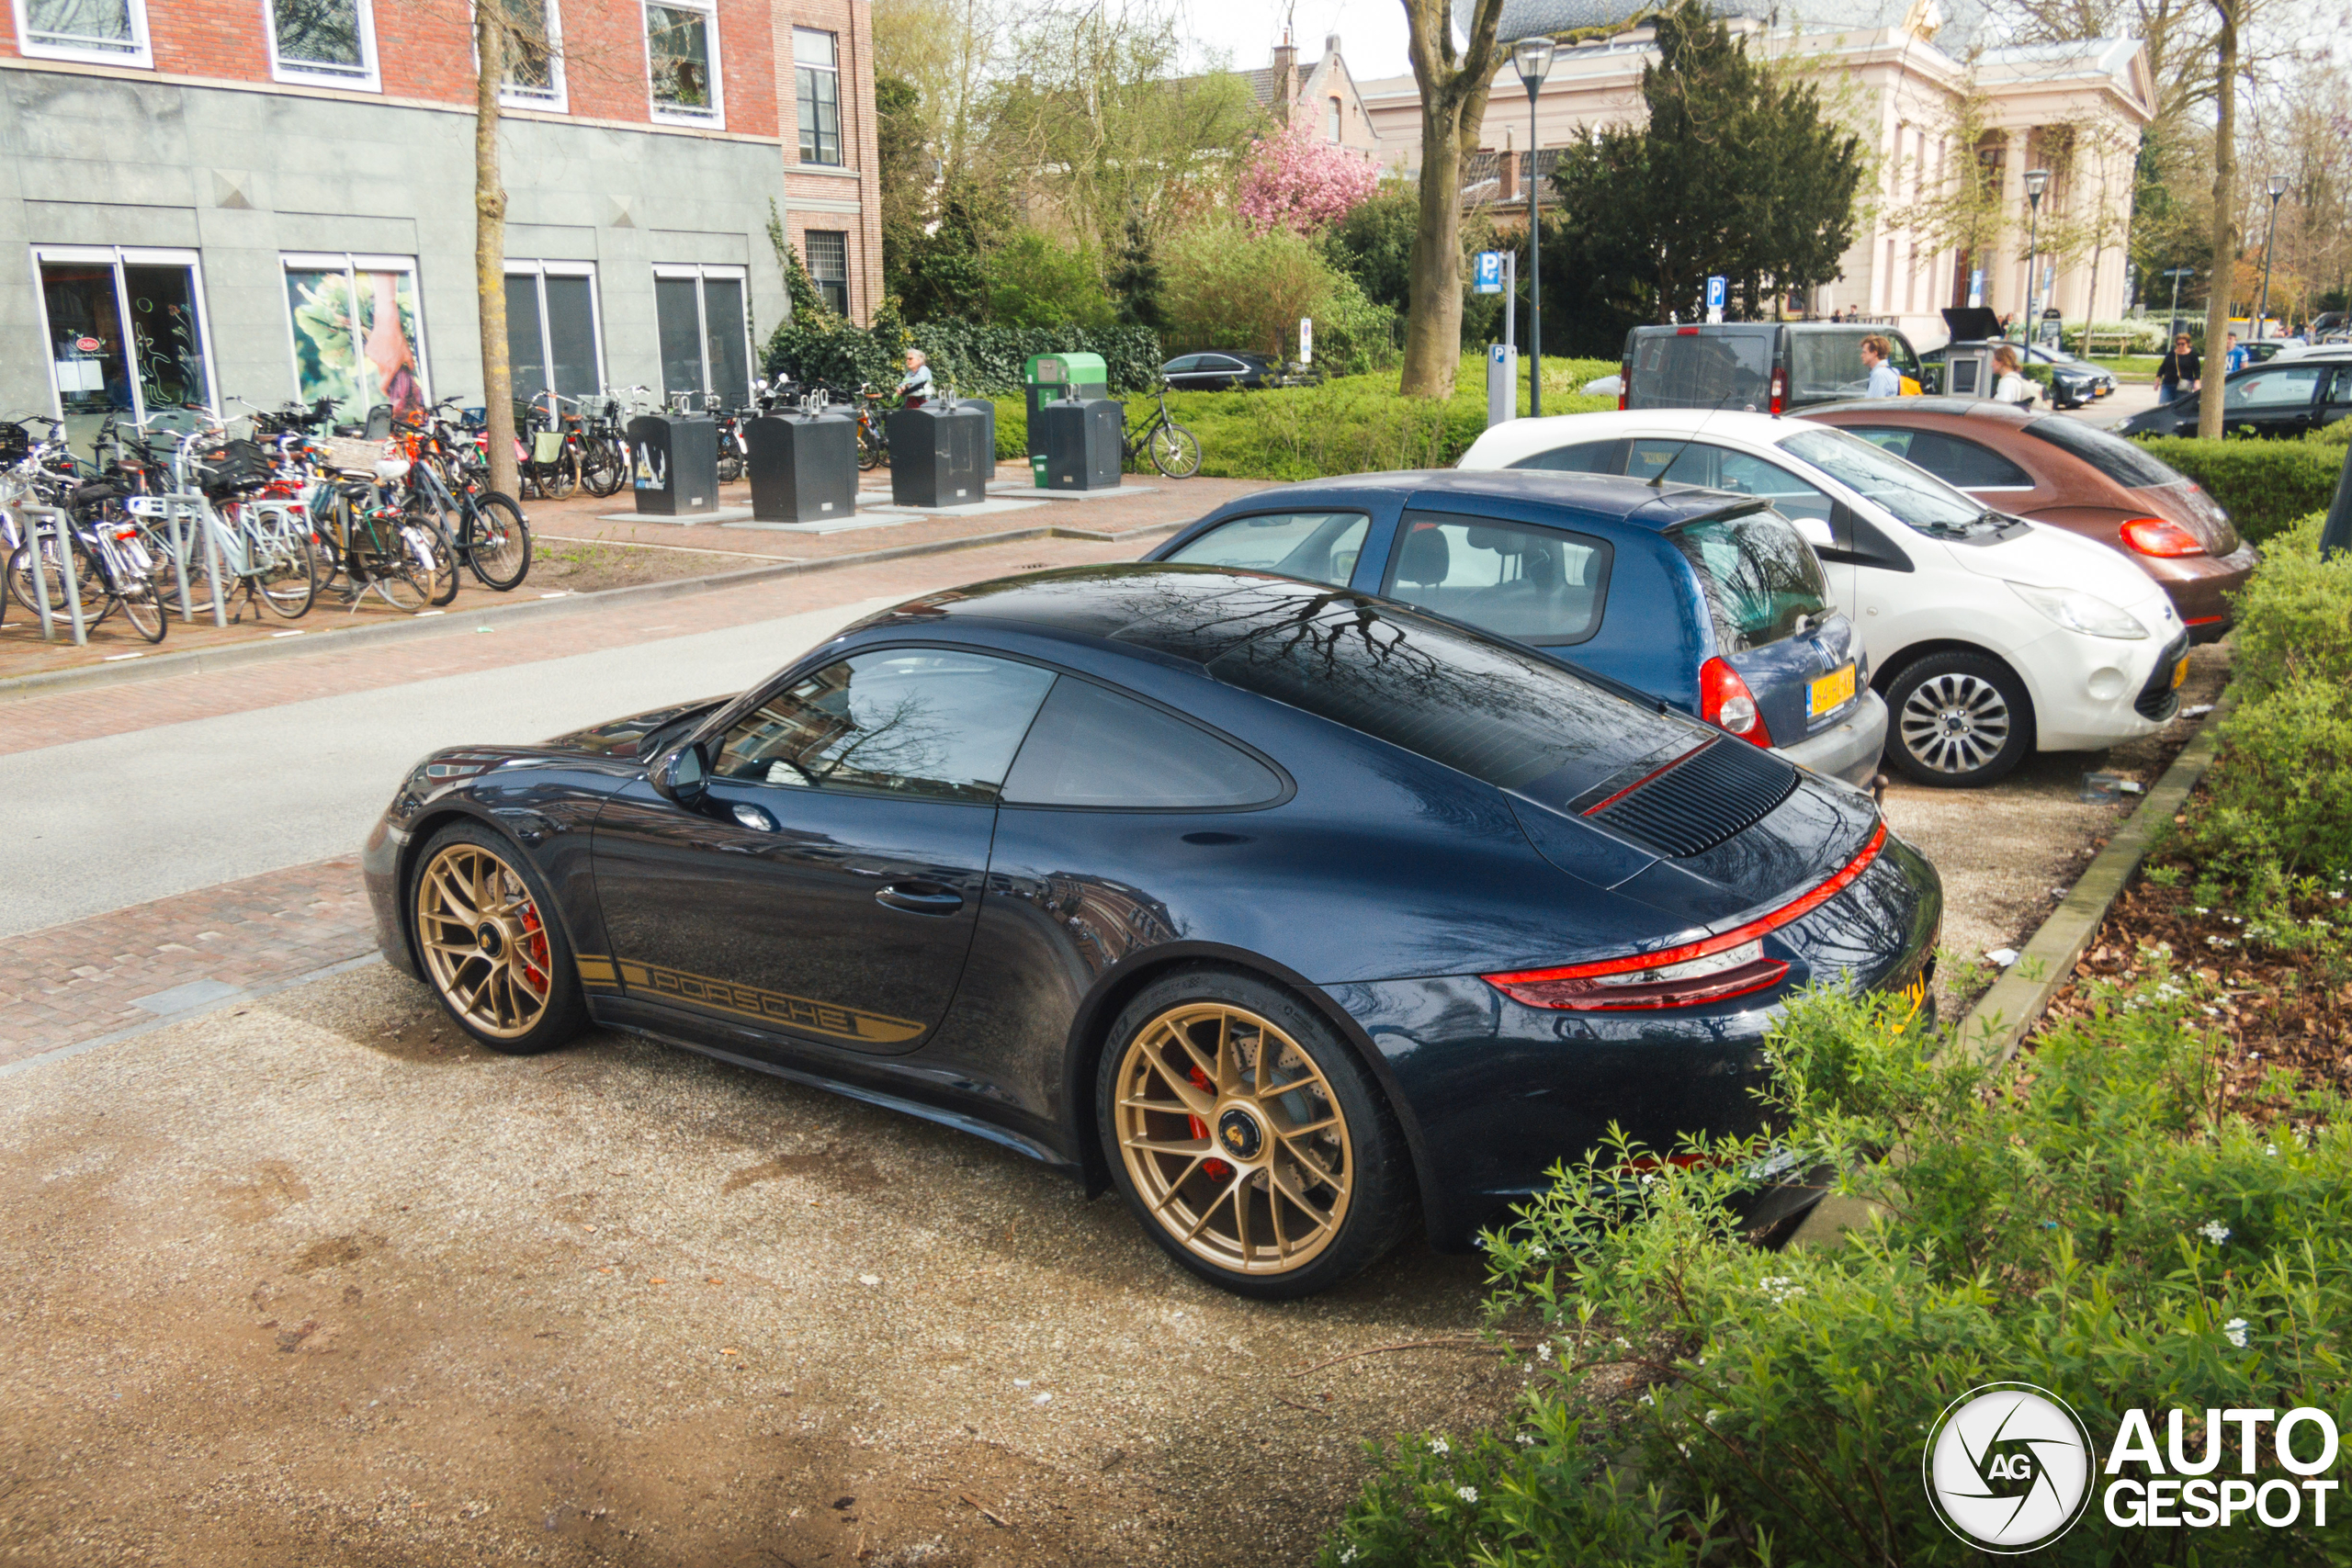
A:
x: 1915, y: 496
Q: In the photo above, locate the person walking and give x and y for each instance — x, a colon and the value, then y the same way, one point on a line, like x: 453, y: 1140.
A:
x: 2010, y: 386
x: 2232, y: 358
x: 2179, y: 373
x: 1884, y: 380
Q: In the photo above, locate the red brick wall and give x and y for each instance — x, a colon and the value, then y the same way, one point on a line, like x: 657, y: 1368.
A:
x: 851, y: 23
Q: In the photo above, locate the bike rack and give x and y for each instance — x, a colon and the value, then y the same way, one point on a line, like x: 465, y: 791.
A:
x: 183, y: 510
x: 57, y: 526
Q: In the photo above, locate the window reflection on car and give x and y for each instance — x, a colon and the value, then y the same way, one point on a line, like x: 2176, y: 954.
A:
x: 1915, y: 497
x: 1320, y: 547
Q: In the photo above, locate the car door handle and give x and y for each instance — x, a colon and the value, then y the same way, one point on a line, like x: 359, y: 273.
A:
x: 920, y: 898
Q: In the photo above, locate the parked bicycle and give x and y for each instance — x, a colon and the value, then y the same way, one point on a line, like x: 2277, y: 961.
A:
x: 1174, y: 450
x: 112, y: 567
x: 486, y: 530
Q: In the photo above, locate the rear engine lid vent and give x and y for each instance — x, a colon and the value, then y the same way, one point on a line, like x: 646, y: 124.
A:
x: 1695, y: 801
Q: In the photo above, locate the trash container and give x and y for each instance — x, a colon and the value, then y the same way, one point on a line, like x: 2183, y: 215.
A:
x: 673, y: 464
x: 987, y: 411
x: 935, y: 457
x: 1084, y: 442
x: 1050, y: 377
x: 804, y: 466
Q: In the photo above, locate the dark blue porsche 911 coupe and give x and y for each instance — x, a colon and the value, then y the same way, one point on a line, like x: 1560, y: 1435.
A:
x: 1282, y: 907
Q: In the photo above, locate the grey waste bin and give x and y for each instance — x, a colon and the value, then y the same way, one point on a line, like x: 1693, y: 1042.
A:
x: 1084, y: 440
x: 804, y: 466
x: 987, y: 411
x: 935, y: 457
x: 673, y: 465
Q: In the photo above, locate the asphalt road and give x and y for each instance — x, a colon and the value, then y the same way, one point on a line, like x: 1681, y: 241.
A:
x: 96, y: 825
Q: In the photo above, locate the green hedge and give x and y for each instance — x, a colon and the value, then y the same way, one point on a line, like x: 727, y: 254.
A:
x: 978, y: 361
x: 2263, y: 485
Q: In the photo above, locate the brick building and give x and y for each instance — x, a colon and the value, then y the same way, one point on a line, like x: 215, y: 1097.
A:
x: 274, y: 198
x: 835, y: 204
x: 1321, y: 94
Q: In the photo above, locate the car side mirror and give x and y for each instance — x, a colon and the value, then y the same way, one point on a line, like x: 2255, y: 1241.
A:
x: 681, y: 776
x: 1816, y: 532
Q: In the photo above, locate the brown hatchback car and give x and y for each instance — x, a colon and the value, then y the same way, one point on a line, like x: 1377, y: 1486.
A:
x: 2066, y: 473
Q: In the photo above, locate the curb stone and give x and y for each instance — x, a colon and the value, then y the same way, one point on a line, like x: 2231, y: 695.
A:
x: 236, y: 655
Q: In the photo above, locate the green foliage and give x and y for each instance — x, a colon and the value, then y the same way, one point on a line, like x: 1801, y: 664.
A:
x: 2085, y: 1220
x: 1229, y: 288
x: 1135, y: 278
x: 2263, y: 485
x: 1374, y: 243
x: 799, y: 287
x: 1035, y: 281
x: 945, y: 275
x: 978, y: 360
x: 1353, y: 335
x: 2294, y: 615
x: 899, y: 134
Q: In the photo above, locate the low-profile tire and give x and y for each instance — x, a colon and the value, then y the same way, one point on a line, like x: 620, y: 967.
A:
x: 1957, y: 720
x: 1270, y: 1193
x: 499, y: 963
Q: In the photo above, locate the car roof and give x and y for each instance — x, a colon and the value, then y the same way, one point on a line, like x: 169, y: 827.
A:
x: 1987, y: 409
x: 1505, y: 444
x: 1603, y: 498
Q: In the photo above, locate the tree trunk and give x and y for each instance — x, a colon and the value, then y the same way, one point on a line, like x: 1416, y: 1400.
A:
x: 489, y: 248
x: 1454, y: 111
x: 2225, y: 249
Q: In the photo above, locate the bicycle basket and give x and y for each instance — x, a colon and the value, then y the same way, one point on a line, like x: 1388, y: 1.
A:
x: 232, y: 467
x: 349, y: 454
x: 14, y: 442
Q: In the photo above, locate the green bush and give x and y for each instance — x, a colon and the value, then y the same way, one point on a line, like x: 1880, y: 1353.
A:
x: 2263, y: 485
x: 978, y: 361
x: 1353, y: 335
x: 2294, y: 615
x: 2087, y: 1220
x: 1037, y: 282
x: 2279, y: 800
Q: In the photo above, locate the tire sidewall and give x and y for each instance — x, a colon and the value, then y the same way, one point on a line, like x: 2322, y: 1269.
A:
x: 567, y: 1009
x: 1985, y: 668
x: 1381, y: 1194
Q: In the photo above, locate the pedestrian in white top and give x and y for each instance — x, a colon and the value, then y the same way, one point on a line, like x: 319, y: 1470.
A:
x: 916, y: 387
x: 2012, y: 387
x: 1885, y: 382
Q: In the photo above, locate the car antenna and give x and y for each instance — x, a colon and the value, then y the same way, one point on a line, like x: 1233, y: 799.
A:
x: 1658, y: 480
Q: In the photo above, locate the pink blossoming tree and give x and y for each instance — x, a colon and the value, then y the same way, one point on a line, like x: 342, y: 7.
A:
x: 1299, y: 182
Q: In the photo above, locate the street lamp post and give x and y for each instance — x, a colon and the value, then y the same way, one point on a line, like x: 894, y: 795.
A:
x: 2262, y: 311
x: 1533, y: 59
x: 2036, y: 181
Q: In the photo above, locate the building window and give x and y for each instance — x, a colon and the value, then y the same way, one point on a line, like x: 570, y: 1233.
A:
x: 358, y: 334
x: 533, y: 78
x: 126, y: 334
x: 553, y: 339
x: 706, y: 336
x: 828, y: 267
x: 114, y: 32
x: 1331, y: 120
x: 682, y: 54
x: 816, y: 67
x: 328, y: 41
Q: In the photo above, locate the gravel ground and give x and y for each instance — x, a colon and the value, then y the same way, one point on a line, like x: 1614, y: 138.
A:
x: 317, y: 1281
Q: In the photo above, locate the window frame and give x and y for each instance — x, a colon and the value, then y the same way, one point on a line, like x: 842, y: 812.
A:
x: 841, y: 151
x: 1334, y: 130
x: 717, y: 118
x: 1287, y: 786
x: 557, y: 98
x: 700, y: 271
x: 141, y: 52
x: 1602, y: 550
x: 369, y: 78
x: 351, y: 263
x: 119, y: 257
x: 544, y: 268
x: 823, y: 284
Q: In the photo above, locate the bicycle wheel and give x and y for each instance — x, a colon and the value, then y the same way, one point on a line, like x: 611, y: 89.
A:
x: 560, y: 480
x: 142, y: 606
x: 1175, y: 451
x: 498, y: 541
x: 286, y: 574
x: 89, y: 587
x: 604, y: 468
x: 731, y: 463
x: 425, y: 550
x: 869, y: 446
x: 395, y: 575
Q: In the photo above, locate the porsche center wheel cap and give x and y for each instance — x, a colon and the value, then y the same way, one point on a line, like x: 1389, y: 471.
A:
x: 491, y: 940
x: 1238, y: 1134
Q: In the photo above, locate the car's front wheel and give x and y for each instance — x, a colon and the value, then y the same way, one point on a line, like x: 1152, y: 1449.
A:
x: 492, y: 950
x: 1958, y: 720
x: 1248, y: 1138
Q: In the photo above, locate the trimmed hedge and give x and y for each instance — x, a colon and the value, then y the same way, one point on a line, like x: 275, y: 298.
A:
x: 2263, y: 485
x: 978, y: 361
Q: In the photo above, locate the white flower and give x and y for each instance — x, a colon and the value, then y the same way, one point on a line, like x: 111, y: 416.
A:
x: 2271, y: 1149
x: 1440, y: 1446
x: 1542, y: 1351
x: 1348, y: 1555
x: 2215, y: 1231
x: 2234, y: 1332
x: 1712, y: 1414
x: 1525, y: 1441
x: 1467, y: 1494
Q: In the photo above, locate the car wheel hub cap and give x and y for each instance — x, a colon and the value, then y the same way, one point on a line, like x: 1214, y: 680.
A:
x: 1955, y: 723
x: 483, y: 942
x: 1233, y: 1138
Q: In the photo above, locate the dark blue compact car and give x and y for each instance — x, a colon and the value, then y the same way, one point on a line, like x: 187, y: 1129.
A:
x: 1277, y: 907
x: 1711, y: 601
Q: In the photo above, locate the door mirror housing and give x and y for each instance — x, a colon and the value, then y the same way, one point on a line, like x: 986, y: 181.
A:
x: 679, y: 778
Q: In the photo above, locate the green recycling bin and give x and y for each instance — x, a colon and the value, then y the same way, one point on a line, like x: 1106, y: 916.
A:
x: 1050, y: 378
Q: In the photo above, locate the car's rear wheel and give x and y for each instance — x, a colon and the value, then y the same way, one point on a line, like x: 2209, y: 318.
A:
x: 1248, y: 1138
x: 1960, y: 720
x: 492, y: 951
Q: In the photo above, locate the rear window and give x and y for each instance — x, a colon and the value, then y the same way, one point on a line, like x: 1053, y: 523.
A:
x: 1963, y: 464
x: 1702, y: 370
x: 2130, y: 465
x: 1471, y: 703
x: 1583, y: 457
x: 1761, y: 580
x: 1321, y: 546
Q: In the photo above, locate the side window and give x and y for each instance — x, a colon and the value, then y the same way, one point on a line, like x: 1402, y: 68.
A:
x: 1091, y: 747
x: 1961, y: 463
x: 2284, y: 388
x: 910, y: 722
x: 1538, y: 585
x: 1179, y: 366
x: 1584, y: 458
x: 2341, y: 390
x: 1719, y: 467
x: 1320, y: 547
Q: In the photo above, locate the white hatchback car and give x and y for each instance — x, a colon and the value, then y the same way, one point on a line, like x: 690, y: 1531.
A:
x: 1987, y: 635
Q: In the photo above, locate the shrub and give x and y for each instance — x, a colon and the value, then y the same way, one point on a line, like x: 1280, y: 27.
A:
x: 2263, y: 485
x: 2085, y: 1220
x: 1353, y: 335
x: 2294, y: 615
x: 1225, y: 287
x: 1037, y: 282
x: 2281, y: 796
x: 978, y: 361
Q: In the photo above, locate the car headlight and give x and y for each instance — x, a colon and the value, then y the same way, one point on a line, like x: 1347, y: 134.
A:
x: 2080, y: 612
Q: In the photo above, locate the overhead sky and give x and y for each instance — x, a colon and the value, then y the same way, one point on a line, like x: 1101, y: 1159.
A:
x: 1372, y: 32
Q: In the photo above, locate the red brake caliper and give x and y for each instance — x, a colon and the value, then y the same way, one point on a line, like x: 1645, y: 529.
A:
x: 1214, y: 1169
x: 536, y: 950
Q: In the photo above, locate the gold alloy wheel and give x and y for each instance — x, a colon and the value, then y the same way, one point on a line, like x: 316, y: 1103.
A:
x: 483, y: 940
x: 1234, y: 1139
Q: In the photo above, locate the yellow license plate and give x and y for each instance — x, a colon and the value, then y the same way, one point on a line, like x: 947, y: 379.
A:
x: 1830, y: 693
x: 2179, y: 673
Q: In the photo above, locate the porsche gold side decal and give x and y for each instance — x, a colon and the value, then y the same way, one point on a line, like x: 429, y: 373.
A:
x: 747, y: 1001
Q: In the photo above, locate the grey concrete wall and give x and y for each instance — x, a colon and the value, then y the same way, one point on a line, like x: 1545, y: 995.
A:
x: 241, y: 176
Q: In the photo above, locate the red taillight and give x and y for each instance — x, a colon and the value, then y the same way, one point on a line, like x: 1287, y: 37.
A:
x: 1686, y: 332
x: 1710, y: 970
x: 2155, y: 536
x: 1624, y: 382
x: 1726, y: 701
x: 1779, y: 389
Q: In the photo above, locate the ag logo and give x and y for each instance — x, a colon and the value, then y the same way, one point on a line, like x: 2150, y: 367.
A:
x: 2008, y: 1467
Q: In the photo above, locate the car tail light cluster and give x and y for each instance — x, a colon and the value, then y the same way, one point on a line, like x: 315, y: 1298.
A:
x: 2155, y: 536
x: 1726, y: 701
x: 1731, y: 964
x: 1779, y: 389
x: 1624, y: 382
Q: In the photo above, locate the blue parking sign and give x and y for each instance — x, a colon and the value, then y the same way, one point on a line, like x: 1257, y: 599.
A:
x: 1715, y: 294
x: 1488, y: 273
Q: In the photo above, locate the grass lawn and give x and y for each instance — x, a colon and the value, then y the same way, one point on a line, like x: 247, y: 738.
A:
x: 1352, y: 424
x: 2132, y: 367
